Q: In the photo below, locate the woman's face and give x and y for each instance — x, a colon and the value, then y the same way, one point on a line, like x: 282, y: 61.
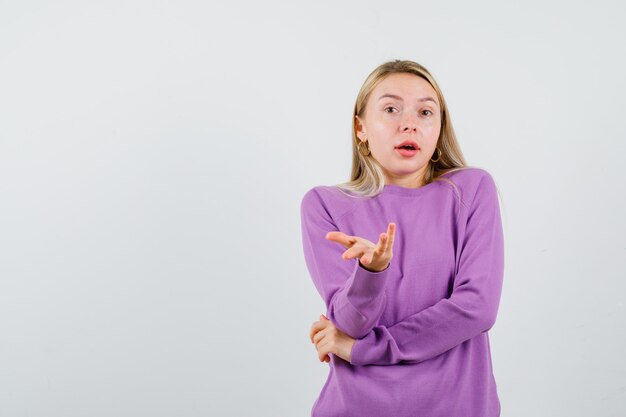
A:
x: 402, y: 107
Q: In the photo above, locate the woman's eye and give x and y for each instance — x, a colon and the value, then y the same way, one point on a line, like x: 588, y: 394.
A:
x: 428, y: 112
x: 387, y: 108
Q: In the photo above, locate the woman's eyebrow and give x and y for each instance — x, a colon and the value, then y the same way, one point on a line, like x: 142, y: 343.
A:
x: 400, y: 98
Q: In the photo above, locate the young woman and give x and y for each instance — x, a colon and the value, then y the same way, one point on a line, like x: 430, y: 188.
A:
x: 406, y: 327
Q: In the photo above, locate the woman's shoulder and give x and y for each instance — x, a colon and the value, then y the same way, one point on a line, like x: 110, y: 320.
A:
x: 470, y: 180
x: 322, y: 192
x: 467, y: 173
x: 330, y: 198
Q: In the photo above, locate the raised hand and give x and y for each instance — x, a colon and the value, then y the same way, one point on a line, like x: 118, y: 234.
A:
x: 374, y: 257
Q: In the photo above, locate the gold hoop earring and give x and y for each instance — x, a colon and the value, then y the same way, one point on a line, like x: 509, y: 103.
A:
x: 367, y: 148
x: 439, y: 157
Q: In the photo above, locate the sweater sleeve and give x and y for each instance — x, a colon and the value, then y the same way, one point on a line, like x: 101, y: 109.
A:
x: 355, y: 297
x: 471, y: 308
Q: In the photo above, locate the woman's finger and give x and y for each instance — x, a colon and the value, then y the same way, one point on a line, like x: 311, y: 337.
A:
x: 341, y: 238
x: 322, y: 355
x: 391, y: 231
x: 382, y: 242
x: 318, y: 336
x: 322, y: 351
x: 385, y: 241
x: 317, y: 326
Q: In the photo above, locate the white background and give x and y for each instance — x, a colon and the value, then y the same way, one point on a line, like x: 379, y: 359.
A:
x: 153, y: 156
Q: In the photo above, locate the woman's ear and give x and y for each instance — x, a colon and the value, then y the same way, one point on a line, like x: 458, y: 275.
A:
x: 360, y: 129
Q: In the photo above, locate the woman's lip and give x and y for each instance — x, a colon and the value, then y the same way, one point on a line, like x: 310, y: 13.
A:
x: 409, y: 143
x: 407, y: 152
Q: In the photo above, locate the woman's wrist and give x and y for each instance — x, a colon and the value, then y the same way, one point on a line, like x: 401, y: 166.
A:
x: 372, y: 269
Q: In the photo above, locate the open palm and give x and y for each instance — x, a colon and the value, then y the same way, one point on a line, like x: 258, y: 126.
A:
x: 375, y: 257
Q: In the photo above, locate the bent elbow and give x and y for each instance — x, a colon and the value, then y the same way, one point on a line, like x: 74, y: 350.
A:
x: 489, y: 319
x: 352, y: 321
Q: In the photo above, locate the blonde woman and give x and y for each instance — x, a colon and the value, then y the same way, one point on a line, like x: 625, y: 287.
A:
x: 408, y: 257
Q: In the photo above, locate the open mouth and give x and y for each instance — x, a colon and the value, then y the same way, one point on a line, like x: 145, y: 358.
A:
x: 407, y: 150
x: 408, y: 145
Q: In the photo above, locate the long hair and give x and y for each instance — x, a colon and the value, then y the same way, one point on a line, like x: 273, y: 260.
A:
x: 367, y: 178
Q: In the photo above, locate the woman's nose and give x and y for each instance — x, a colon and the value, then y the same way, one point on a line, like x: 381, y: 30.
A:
x: 409, y: 123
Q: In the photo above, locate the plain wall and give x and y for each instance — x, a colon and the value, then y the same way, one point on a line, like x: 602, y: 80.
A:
x: 153, y: 156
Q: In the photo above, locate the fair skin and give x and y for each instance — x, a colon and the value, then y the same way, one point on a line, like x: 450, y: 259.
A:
x: 412, y: 114
x: 389, y: 121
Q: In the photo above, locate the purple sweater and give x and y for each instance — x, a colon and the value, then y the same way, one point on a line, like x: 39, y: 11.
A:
x: 421, y: 326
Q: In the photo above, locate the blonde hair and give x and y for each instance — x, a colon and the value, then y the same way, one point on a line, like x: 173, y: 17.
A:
x: 367, y: 178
